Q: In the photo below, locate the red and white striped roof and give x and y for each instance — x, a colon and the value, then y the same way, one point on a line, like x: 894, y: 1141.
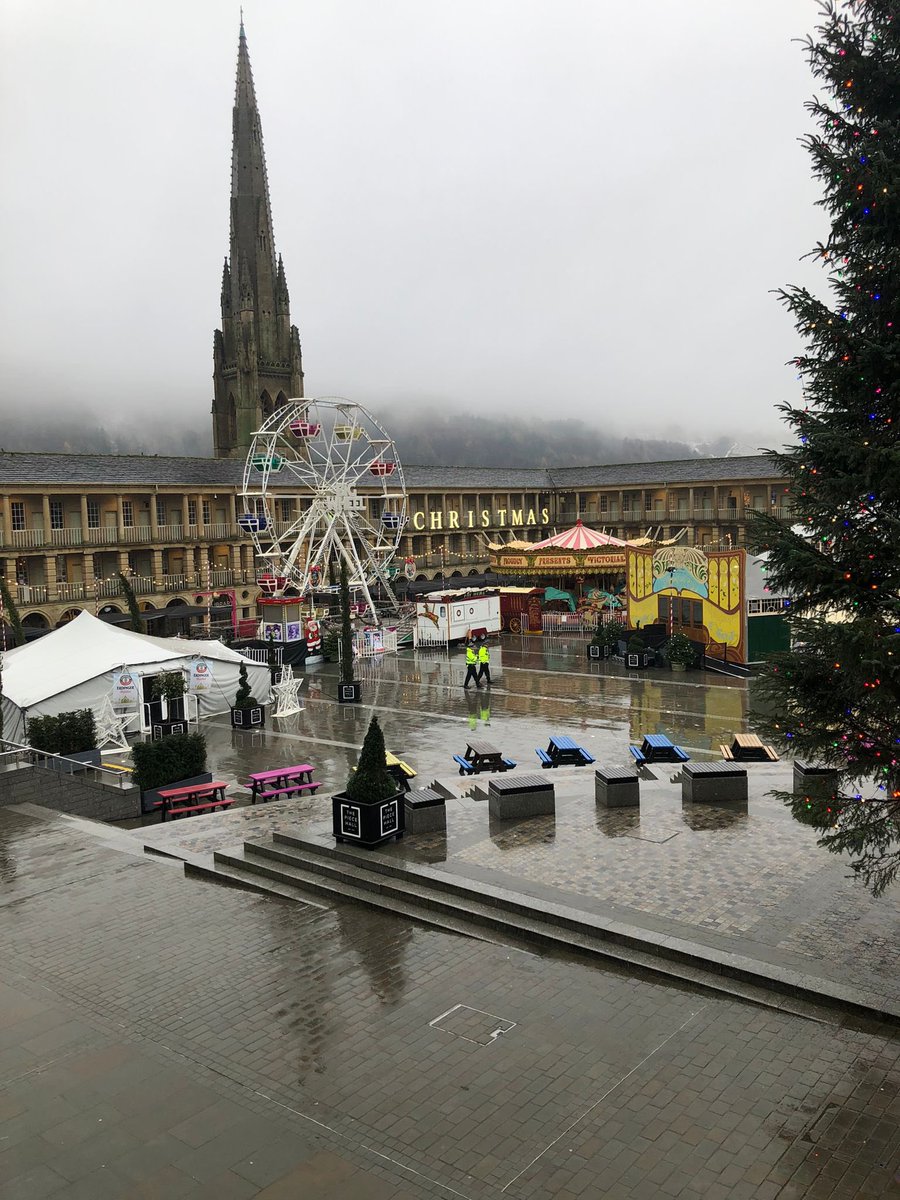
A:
x: 579, y: 537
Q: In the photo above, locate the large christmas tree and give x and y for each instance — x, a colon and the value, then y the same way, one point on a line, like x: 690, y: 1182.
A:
x: 835, y: 697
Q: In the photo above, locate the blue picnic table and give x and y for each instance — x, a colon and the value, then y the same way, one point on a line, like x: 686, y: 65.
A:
x: 563, y: 751
x: 656, y: 747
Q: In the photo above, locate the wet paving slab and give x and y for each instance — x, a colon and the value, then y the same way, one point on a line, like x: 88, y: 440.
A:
x: 168, y: 1037
x: 744, y: 879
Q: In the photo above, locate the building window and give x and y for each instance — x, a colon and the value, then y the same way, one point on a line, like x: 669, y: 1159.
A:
x: 604, y: 504
x: 93, y: 514
x: 582, y: 504
x: 56, y: 514
x: 648, y: 502
x: 160, y: 510
x: 62, y: 574
x: 287, y: 509
x: 17, y: 514
x: 206, y: 517
x: 192, y: 512
x: 127, y: 513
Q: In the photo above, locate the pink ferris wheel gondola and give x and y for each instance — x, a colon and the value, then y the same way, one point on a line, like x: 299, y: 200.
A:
x: 382, y: 468
x: 305, y: 429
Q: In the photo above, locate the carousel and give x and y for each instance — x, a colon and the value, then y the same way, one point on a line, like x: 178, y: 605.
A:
x: 586, y: 562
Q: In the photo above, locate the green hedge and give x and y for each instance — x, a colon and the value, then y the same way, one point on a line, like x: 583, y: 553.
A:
x: 66, y: 733
x: 156, y: 764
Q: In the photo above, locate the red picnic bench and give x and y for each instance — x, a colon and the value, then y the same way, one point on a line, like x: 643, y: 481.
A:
x: 283, y: 781
x: 197, y: 797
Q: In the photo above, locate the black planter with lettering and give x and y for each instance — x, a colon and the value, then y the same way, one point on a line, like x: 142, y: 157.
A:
x: 368, y: 824
x: 349, y: 693
x: 248, y: 718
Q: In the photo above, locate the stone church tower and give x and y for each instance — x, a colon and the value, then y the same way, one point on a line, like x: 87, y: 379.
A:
x: 256, y: 353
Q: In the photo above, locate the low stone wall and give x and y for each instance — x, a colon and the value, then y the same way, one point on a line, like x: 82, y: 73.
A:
x: 82, y: 797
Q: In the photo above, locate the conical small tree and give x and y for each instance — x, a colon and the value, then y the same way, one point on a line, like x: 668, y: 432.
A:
x: 244, y: 697
x: 11, y: 613
x: 346, y: 628
x: 370, y: 783
x: 127, y: 591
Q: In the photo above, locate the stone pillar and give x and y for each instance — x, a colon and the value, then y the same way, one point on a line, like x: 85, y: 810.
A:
x: 157, y: 568
x: 154, y: 520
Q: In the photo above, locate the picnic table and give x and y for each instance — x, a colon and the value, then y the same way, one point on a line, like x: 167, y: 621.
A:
x: 399, y: 770
x: 563, y: 751
x: 282, y: 781
x: 196, y: 797
x: 482, y: 756
x: 747, y: 747
x: 656, y: 747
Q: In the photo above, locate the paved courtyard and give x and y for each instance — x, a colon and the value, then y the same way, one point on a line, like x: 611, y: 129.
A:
x: 161, y: 1036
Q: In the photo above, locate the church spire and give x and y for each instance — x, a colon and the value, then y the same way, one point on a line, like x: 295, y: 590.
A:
x: 259, y: 361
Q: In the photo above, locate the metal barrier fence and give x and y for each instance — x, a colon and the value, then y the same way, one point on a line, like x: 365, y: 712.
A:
x: 258, y: 655
x: 14, y: 754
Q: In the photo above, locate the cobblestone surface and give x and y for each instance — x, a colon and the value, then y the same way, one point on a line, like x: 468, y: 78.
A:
x: 161, y: 1036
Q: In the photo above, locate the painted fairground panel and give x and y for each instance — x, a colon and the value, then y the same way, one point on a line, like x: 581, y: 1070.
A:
x: 699, y: 591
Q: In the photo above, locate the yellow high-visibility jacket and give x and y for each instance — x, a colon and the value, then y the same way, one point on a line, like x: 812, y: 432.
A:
x: 471, y: 656
x: 483, y: 655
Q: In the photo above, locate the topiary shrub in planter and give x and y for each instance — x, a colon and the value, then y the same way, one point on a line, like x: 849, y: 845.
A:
x: 349, y: 690
x: 170, y: 687
x: 72, y: 735
x: 175, y: 761
x: 611, y: 634
x: 371, y: 809
x: 637, y: 656
x: 247, y: 712
x: 680, y: 652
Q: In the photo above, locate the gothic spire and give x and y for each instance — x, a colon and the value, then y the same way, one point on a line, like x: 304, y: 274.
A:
x: 251, y: 214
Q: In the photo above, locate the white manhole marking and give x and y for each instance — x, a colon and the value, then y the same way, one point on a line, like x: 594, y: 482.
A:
x: 472, y: 1024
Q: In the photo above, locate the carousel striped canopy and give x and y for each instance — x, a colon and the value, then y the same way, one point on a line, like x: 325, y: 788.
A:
x: 579, y: 537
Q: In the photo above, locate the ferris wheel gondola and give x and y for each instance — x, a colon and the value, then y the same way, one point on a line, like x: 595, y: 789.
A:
x: 323, y: 485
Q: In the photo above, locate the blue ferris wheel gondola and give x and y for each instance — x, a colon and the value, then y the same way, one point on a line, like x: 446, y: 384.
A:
x: 391, y: 520
x: 252, y: 522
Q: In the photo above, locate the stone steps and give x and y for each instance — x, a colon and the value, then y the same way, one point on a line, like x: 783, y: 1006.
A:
x: 297, y: 869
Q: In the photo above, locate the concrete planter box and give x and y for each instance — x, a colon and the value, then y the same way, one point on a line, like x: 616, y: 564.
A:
x: 617, y: 787
x: 368, y: 824
x: 525, y: 796
x: 678, y: 666
x: 814, y: 780
x: 637, y: 662
x: 68, y: 764
x: 248, y: 718
x: 151, y: 798
x: 426, y: 811
x: 713, y: 783
x: 349, y: 693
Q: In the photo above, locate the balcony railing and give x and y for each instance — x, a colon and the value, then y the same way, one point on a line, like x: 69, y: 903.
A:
x: 102, y: 535
x: 26, y: 538
x: 36, y: 593
x: 70, y: 591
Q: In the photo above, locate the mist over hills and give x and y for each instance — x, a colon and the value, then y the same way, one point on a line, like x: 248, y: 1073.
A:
x: 423, y: 439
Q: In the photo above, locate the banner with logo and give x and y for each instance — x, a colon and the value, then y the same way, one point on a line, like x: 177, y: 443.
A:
x: 201, y: 676
x: 125, y: 689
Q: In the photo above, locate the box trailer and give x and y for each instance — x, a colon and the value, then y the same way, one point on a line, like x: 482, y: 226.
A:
x: 453, y: 616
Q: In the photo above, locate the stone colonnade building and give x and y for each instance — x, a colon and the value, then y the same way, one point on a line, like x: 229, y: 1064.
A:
x: 69, y: 524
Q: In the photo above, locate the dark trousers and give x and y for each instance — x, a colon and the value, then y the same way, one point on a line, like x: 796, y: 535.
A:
x: 471, y: 674
x: 484, y: 672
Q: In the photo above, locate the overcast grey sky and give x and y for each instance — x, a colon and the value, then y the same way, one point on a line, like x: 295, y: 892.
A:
x: 570, y: 207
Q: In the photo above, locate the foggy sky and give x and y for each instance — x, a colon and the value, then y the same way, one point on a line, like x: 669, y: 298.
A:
x: 566, y: 207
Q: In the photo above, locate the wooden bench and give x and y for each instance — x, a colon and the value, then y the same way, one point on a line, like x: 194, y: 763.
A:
x: 465, y: 767
x: 201, y: 797
x: 288, y: 791
x: 524, y: 796
x: 617, y: 787
x: 546, y: 760
x: 713, y: 783
x: 747, y: 747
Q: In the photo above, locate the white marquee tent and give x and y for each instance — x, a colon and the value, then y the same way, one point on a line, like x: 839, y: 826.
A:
x: 74, y: 667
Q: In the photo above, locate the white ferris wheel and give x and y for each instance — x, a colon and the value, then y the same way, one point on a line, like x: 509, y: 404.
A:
x: 323, y: 484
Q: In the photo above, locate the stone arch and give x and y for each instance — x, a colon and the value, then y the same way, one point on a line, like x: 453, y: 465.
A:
x: 280, y: 400
x: 109, y: 608
x: 36, y: 620
x: 177, y: 603
x: 69, y: 615
x: 146, y: 606
x: 474, y: 571
x: 456, y: 575
x: 266, y: 405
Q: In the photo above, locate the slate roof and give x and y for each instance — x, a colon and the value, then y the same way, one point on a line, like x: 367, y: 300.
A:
x: 147, y: 470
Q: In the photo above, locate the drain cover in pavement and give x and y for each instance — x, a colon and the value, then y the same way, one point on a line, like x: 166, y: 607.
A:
x: 472, y: 1024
